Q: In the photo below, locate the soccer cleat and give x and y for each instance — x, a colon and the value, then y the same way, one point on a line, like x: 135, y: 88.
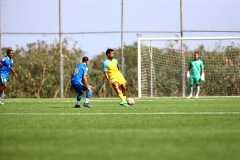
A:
x: 124, y: 103
x: 77, y: 106
x: 196, y: 96
x: 87, y: 105
x: 189, y: 96
x: 1, y: 103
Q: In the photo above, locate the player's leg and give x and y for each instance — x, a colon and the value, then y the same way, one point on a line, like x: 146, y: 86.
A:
x: 77, y: 88
x: 117, y: 89
x: 123, y: 85
x: 124, y: 90
x: 3, y: 86
x: 191, y: 81
x: 119, y: 92
x: 88, y: 96
x: 198, y: 87
x: 117, y: 82
x: 198, y: 90
x: 191, y: 91
x: 79, y: 97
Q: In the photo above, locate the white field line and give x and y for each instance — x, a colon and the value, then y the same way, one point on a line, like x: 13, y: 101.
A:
x: 54, y: 100
x: 157, y: 113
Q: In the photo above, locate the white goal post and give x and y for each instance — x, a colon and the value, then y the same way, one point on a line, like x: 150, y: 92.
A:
x: 163, y: 62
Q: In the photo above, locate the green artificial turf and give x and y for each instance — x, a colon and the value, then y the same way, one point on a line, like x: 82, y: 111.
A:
x: 157, y: 128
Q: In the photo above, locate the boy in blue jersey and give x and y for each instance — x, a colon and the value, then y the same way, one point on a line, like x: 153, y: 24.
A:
x: 79, y: 82
x: 114, y: 76
x: 195, y: 74
x: 5, y: 67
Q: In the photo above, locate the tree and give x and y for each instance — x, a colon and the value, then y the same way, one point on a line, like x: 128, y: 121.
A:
x: 38, y: 70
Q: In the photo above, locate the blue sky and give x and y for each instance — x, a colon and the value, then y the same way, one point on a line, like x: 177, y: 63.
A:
x: 105, y: 15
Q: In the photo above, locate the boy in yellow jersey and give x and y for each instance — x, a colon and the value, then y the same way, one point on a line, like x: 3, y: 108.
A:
x: 114, y: 76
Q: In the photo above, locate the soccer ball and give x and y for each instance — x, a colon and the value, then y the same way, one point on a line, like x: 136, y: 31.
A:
x: 130, y: 101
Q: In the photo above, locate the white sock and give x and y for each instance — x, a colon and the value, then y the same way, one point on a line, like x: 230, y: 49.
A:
x: 78, y: 102
x: 86, y: 100
x: 191, y: 91
x: 198, y: 90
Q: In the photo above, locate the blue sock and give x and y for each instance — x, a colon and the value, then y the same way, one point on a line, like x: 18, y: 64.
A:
x: 89, y: 94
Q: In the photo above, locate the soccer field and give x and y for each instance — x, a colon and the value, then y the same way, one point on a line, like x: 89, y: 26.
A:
x: 159, y: 128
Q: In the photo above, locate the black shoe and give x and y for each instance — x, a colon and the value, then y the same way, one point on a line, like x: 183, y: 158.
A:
x: 77, y: 106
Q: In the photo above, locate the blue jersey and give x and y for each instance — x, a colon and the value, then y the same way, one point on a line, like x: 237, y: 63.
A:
x: 6, y: 65
x: 79, y: 71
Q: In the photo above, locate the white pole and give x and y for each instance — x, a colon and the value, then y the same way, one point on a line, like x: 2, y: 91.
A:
x: 183, y: 55
x: 151, y: 71
x: 139, y: 70
x: 122, y: 42
x: 60, y: 43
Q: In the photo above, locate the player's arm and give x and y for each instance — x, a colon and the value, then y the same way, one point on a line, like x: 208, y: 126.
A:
x: 85, y: 80
x: 119, y: 69
x: 1, y: 62
x: 15, y: 74
x: 189, y: 69
x: 203, y: 75
x: 71, y: 87
x: 106, y: 76
x: 105, y: 69
x: 202, y: 72
x: 118, y: 66
x: 74, y: 72
x: 188, y: 72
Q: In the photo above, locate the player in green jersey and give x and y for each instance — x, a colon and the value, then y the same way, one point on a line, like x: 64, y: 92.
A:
x: 195, y: 74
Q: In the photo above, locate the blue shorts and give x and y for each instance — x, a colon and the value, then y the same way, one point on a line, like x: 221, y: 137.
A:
x: 78, y: 87
x: 3, y: 78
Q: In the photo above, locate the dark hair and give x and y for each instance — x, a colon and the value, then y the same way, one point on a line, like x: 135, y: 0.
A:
x: 109, y: 51
x: 84, y: 59
x: 9, y: 50
x: 196, y: 53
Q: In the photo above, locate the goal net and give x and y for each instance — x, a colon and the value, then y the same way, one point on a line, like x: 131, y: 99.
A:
x: 163, y: 63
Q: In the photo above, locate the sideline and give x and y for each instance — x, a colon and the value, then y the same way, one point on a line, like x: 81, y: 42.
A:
x: 157, y: 113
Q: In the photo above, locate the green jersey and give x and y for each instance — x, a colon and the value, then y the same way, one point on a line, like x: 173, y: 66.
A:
x: 196, y: 67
